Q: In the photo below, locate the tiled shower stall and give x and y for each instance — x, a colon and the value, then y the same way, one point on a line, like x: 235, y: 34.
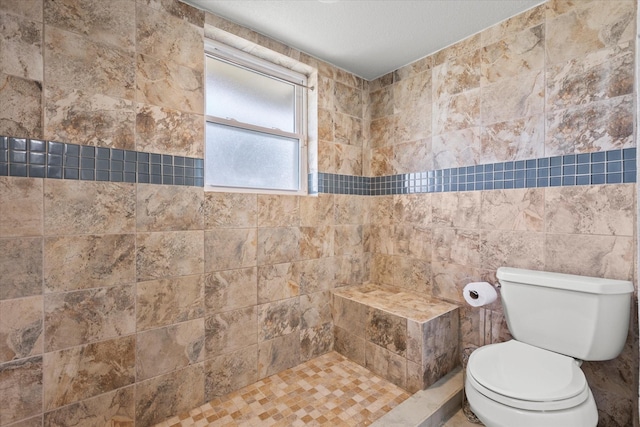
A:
x: 128, y: 294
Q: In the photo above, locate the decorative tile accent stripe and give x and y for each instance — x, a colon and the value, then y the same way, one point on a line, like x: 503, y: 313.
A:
x: 50, y: 159
x: 603, y: 167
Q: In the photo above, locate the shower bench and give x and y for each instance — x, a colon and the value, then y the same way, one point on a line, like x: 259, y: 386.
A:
x: 404, y: 337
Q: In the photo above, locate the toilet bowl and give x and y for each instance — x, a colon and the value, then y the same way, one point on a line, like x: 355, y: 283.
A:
x: 515, y: 384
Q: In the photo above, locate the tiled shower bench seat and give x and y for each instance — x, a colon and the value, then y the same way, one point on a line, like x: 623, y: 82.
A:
x: 404, y: 337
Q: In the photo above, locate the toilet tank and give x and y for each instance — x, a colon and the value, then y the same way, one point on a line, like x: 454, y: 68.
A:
x: 583, y: 317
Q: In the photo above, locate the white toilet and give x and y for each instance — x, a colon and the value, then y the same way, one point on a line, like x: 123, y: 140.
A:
x: 557, y: 320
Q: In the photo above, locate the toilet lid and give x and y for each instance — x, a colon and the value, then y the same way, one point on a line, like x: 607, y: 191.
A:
x: 522, y: 372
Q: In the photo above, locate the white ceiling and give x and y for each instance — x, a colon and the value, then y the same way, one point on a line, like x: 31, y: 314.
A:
x: 367, y: 37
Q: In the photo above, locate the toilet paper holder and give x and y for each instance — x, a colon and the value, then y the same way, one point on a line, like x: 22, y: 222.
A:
x: 474, y: 294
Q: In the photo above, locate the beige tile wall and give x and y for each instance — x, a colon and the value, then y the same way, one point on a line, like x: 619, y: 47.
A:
x: 230, y: 287
x: 555, y: 80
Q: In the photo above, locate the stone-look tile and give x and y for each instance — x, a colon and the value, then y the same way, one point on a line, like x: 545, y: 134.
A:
x: 457, y: 74
x: 325, y: 125
x: 175, y: 393
x: 169, y: 208
x: 347, y: 100
x: 75, y: 62
x: 581, y: 30
x: 164, y: 350
x: 386, y: 364
x: 382, y: 132
x: 230, y: 372
x: 81, y: 372
x: 512, y: 248
x: 166, y: 84
x: 515, y: 24
x: 85, y: 207
x: 167, y: 254
x: 350, y: 269
x: 317, y: 211
x: 441, y: 348
x: 412, y: 93
x: 326, y: 157
x: 458, y: 209
x: 518, y: 139
x: 412, y: 208
x: 230, y: 248
x: 383, y: 209
x: 387, y: 330
x: 315, y: 275
x: 30, y: 9
x: 413, y: 241
x: 472, y: 326
x: 412, y: 274
x: 602, y: 209
x: 116, y: 408
x: 381, y: 102
x: 29, y: 422
x: 449, y: 280
x: 278, y: 319
x: 20, y: 206
x: 167, y: 131
x: 82, y: 262
x: 465, y: 46
x: 20, y: 328
x: 598, y: 126
x: 513, y: 98
x: 348, y: 240
x: 230, y: 331
x: 278, y: 354
x: 517, y: 209
x: 382, y: 268
x: 349, y: 315
x: 611, y: 257
x: 21, y: 53
x: 348, y: 160
x: 379, y: 239
x: 20, y: 267
x: 278, y: 211
x: 79, y: 116
x: 104, y: 22
x: 413, y: 156
x: 22, y: 112
x: 419, y: 66
x: 277, y: 245
x: 223, y: 210
x: 348, y: 209
x: 277, y: 282
x: 81, y: 317
x: 348, y: 130
x: 316, y: 242
x: 513, y: 55
x: 349, y: 345
x: 456, y: 112
x: 315, y: 309
x: 167, y: 301
x: 163, y: 36
x: 381, y: 162
x: 456, y: 246
x: 599, y: 75
x: 456, y: 148
x: 178, y: 9
x: 21, y: 385
x: 315, y: 341
x: 231, y: 289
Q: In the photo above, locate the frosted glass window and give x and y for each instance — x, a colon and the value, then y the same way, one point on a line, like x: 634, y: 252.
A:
x: 246, y: 159
x: 255, y: 134
x: 235, y: 93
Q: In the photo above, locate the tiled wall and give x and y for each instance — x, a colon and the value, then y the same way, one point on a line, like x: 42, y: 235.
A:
x: 552, y: 85
x: 97, y: 278
x: 127, y: 301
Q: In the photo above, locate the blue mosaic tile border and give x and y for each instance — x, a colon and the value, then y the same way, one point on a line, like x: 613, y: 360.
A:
x: 603, y: 167
x: 49, y: 159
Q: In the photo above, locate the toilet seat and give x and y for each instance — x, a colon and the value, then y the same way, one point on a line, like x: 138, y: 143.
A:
x: 527, y: 377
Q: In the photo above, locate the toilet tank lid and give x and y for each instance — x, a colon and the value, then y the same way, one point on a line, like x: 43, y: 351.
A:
x: 571, y: 282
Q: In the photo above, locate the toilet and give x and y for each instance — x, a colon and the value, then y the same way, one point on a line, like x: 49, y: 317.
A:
x: 557, y: 321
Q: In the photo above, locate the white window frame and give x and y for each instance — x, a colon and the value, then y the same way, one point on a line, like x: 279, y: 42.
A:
x: 242, y: 59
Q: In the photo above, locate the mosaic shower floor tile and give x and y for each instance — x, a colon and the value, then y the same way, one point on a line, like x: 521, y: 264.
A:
x: 329, y: 390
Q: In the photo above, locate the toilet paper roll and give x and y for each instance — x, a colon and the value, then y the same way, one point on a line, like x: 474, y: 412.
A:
x: 477, y: 294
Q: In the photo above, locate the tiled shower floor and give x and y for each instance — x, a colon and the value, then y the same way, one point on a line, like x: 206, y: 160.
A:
x: 329, y: 390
